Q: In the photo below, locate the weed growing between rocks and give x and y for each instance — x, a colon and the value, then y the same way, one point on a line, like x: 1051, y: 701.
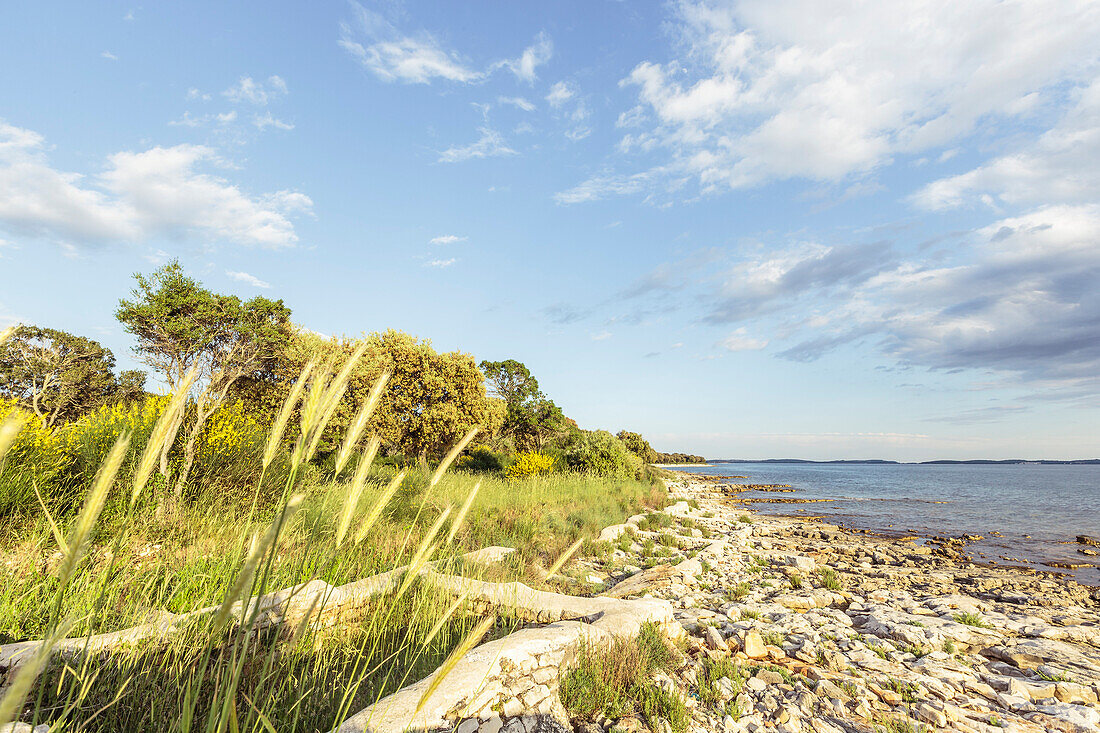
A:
x: 615, y: 682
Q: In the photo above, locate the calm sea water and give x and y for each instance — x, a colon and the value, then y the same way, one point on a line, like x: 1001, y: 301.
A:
x: 1038, y: 509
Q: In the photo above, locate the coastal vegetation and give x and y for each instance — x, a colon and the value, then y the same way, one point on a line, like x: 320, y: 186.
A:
x: 275, y: 457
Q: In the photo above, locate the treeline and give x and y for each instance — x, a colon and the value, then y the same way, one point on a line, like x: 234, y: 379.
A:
x: 671, y: 458
x: 239, y: 360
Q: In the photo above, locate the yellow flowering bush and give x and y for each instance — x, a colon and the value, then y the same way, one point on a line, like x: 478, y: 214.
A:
x: 35, y: 459
x: 230, y: 449
x: 530, y: 463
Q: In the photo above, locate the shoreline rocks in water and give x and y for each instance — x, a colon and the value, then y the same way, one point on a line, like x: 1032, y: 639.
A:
x: 832, y: 630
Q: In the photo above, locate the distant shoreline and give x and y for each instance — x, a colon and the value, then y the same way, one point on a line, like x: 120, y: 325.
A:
x: 939, y: 462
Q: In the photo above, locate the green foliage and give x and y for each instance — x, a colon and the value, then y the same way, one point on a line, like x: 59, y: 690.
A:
x: 59, y: 376
x: 972, y: 619
x: 601, y: 453
x: 431, y: 400
x: 637, y: 445
x: 615, y: 681
x: 36, y: 459
x: 677, y: 458
x: 829, y: 578
x: 715, y: 669
x: 481, y: 459
x: 532, y: 420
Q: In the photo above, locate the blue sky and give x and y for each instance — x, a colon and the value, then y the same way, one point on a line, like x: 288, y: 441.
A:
x: 745, y: 229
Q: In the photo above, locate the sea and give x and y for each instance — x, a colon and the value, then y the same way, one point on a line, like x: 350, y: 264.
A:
x: 1036, y: 509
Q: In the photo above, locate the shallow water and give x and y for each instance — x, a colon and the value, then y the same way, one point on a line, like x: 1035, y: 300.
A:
x: 1038, y: 509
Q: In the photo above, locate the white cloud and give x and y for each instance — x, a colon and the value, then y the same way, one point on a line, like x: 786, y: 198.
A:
x: 533, y: 56
x: 1062, y: 165
x: 109, y: 56
x: 158, y: 192
x: 762, y: 91
x: 440, y: 263
x: 220, y: 119
x: 262, y: 122
x: 447, y: 239
x: 194, y: 93
x: 490, y: 145
x: 392, y: 56
x: 561, y: 93
x: 244, y: 277
x: 520, y: 102
x: 604, y: 185
x: 601, y: 336
x: 419, y: 58
x: 257, y: 93
x: 739, y: 340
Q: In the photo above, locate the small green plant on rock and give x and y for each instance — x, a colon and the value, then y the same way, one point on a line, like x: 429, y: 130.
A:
x: 972, y: 619
x: 615, y: 681
x: 829, y: 578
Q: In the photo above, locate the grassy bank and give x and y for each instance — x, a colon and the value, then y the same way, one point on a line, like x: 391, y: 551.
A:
x: 139, y: 565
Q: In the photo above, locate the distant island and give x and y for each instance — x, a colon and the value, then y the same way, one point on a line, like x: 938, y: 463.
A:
x: 979, y: 461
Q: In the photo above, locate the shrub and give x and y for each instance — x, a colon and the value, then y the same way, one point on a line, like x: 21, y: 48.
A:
x: 482, y: 460
x: 35, y: 459
x: 529, y: 463
x: 230, y: 450
x: 615, y: 681
x: 601, y: 453
x: 88, y: 440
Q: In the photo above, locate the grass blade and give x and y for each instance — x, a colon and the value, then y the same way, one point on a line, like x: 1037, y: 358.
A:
x: 451, y: 456
x: 355, y: 490
x: 461, y: 516
x: 564, y: 557
x: 456, y: 656
x: 359, y: 423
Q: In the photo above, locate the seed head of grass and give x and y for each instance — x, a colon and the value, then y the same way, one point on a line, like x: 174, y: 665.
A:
x: 275, y: 437
x: 359, y: 422
x: 160, y: 435
x: 461, y: 516
x: 379, y: 505
x: 455, y: 657
x: 451, y: 456
x: 8, y: 430
x: 355, y: 490
x: 564, y: 557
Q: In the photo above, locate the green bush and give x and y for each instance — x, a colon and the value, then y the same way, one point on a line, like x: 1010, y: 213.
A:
x: 481, y: 459
x: 615, y: 681
x: 601, y: 453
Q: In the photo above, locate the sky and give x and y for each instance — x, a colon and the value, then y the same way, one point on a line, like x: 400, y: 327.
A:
x: 760, y: 229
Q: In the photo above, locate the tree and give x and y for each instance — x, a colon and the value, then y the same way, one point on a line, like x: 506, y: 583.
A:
x: 637, y: 445
x: 532, y: 418
x: 179, y: 325
x: 510, y: 380
x: 60, y: 376
x: 431, y: 400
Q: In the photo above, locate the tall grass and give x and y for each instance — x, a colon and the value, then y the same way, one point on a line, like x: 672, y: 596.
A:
x: 228, y: 669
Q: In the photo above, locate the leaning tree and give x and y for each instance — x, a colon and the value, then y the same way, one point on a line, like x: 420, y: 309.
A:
x: 181, y: 326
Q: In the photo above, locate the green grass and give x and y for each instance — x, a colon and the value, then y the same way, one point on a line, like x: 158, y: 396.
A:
x: 774, y: 638
x: 972, y: 619
x: 99, y: 569
x: 707, y: 682
x: 829, y: 578
x: 616, y: 680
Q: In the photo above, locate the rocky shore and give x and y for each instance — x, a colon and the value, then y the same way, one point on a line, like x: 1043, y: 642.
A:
x: 820, y: 629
